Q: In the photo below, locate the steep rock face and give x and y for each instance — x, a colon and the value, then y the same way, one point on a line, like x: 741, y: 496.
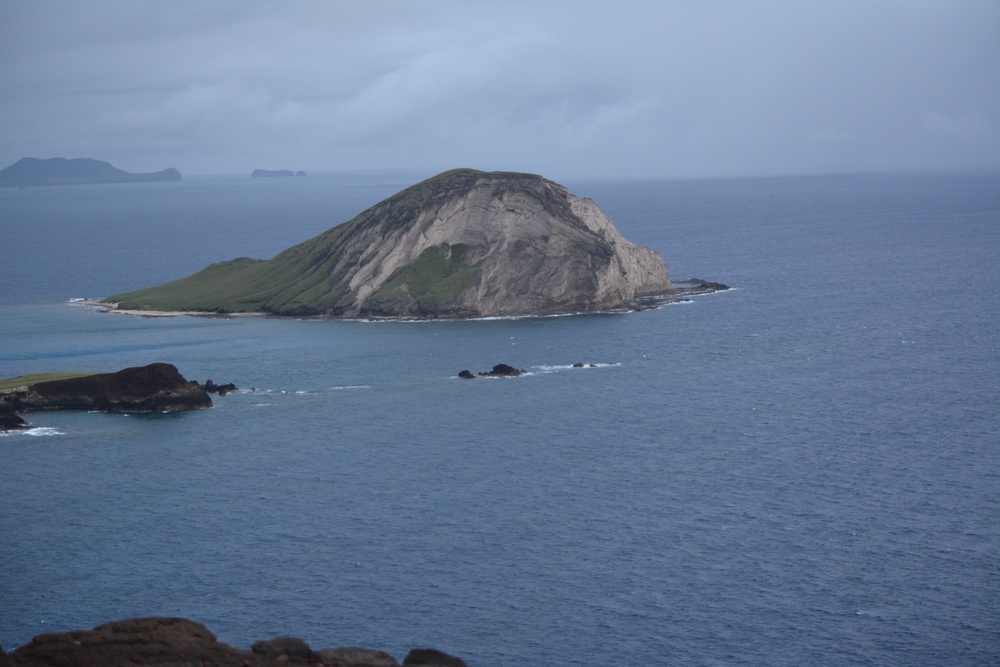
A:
x: 462, y: 244
x: 527, y: 246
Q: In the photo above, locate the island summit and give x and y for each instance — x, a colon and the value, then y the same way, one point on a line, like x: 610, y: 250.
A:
x: 462, y: 244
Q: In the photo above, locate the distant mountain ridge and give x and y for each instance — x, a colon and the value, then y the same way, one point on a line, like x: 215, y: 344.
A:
x: 31, y: 171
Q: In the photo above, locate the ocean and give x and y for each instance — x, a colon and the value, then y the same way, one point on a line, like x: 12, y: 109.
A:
x: 803, y: 470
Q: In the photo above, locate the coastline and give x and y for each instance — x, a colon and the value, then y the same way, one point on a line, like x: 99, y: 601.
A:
x: 680, y: 292
x: 113, y: 308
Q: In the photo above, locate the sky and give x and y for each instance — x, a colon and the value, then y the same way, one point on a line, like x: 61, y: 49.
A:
x: 562, y: 88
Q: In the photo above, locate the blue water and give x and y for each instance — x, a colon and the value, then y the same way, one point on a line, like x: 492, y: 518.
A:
x: 803, y: 470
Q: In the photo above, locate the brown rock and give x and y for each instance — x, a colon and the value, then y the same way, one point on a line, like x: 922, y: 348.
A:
x: 350, y: 656
x: 140, y: 641
x: 290, y: 648
x: 157, y: 387
x: 179, y: 642
x: 432, y: 658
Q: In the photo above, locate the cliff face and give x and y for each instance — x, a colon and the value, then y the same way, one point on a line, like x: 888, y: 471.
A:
x: 515, y: 243
x: 157, y: 387
x: 462, y: 244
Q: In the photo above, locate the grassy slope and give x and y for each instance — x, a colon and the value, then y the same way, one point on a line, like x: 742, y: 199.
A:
x: 9, y: 384
x: 434, y: 282
x: 310, y: 278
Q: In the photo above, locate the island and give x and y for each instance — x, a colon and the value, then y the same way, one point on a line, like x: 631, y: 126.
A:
x: 268, y: 173
x: 30, y: 172
x: 463, y: 244
x: 156, y: 387
x: 172, y: 642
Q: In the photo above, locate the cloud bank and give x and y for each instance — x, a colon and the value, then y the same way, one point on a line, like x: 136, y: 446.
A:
x: 563, y: 88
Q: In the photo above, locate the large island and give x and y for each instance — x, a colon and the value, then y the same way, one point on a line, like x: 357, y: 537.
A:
x: 462, y: 244
x: 31, y: 171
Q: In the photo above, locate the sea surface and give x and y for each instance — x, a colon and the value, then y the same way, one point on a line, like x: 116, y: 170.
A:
x: 803, y: 470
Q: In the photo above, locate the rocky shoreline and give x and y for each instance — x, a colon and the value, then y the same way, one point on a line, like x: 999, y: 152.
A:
x: 680, y: 291
x: 157, y: 387
x: 180, y: 642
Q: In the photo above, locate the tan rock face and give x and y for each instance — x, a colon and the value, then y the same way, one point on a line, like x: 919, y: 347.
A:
x: 536, y: 248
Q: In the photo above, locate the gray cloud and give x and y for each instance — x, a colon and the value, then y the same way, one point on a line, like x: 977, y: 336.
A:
x: 562, y: 88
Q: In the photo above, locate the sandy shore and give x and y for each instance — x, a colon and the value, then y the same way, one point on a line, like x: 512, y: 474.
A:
x: 113, y: 308
x: 681, y: 291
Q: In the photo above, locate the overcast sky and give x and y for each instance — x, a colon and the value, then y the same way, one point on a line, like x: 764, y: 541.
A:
x: 564, y: 88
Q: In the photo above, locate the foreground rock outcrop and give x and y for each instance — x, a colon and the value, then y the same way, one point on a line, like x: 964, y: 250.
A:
x: 179, y: 642
x: 157, y: 387
x: 463, y: 244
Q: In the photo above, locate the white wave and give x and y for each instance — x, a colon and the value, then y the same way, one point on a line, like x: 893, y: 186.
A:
x: 43, y: 431
x: 555, y: 368
x: 351, y: 386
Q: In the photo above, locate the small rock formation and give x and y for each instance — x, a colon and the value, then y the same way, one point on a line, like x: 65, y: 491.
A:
x: 179, y: 642
x: 157, y: 387
x: 294, y: 648
x: 220, y: 389
x: 432, y: 658
x: 9, y: 419
x: 499, y: 371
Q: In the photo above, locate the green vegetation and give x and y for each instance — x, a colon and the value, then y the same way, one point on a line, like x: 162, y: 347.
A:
x: 10, y: 384
x: 435, y: 281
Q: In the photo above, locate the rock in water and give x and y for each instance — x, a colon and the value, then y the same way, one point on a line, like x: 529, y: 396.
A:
x: 463, y: 244
x: 179, y: 642
x: 157, y: 387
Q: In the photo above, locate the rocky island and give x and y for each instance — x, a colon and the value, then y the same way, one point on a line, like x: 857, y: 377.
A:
x: 157, y: 387
x: 179, y: 642
x: 30, y: 171
x: 462, y: 244
x: 270, y: 173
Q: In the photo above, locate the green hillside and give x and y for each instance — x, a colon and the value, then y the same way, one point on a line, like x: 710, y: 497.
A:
x: 312, y: 278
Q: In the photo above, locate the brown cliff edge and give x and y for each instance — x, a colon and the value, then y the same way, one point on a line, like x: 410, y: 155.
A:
x: 157, y: 387
x: 179, y: 642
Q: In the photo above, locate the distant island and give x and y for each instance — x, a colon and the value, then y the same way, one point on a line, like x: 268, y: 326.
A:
x: 463, y: 244
x: 31, y: 172
x: 267, y: 173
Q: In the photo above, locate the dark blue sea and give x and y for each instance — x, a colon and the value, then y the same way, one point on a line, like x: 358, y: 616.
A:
x: 804, y: 470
